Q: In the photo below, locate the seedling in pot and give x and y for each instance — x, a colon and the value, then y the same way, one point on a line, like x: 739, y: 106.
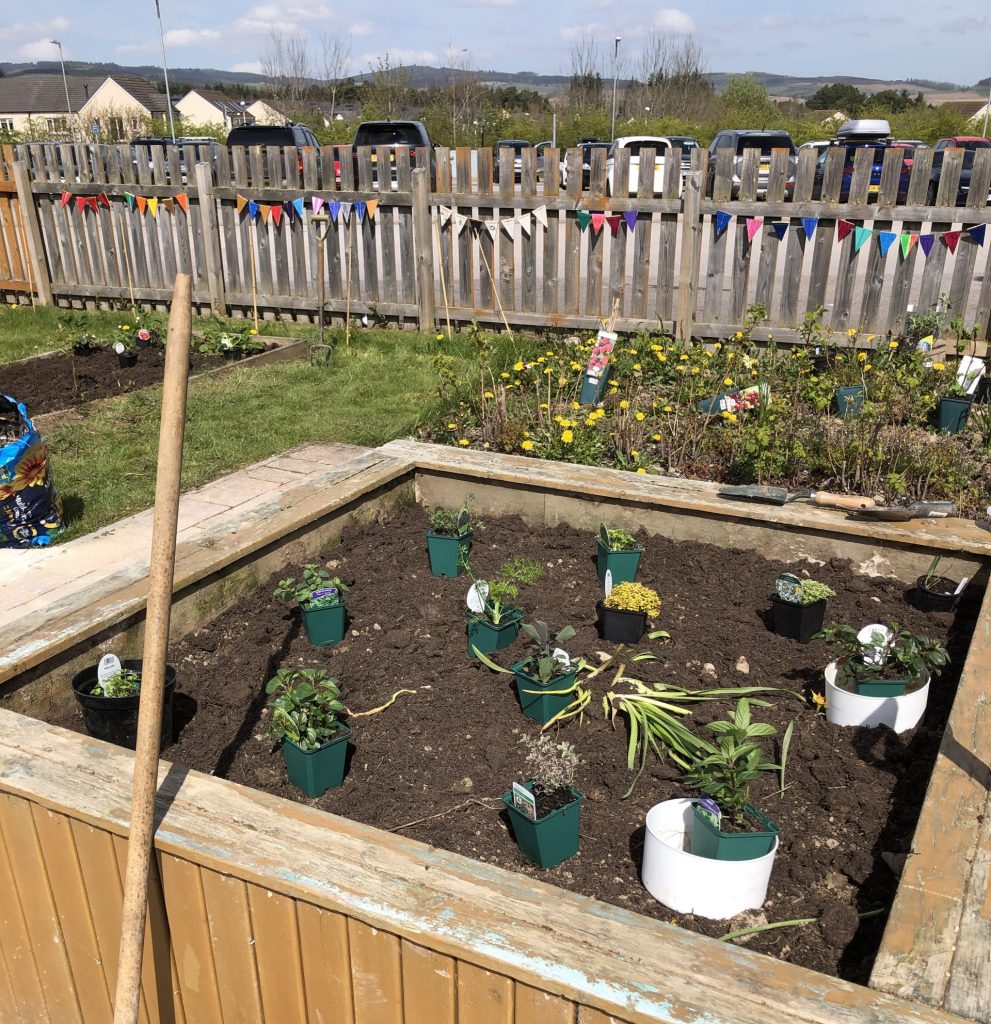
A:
x: 551, y: 767
x: 318, y: 589
x: 305, y: 706
x: 883, y: 652
x: 123, y: 683
x: 617, y: 540
x: 798, y: 591
x: 450, y: 522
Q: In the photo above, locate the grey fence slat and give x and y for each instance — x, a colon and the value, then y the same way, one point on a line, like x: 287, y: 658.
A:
x: 48, y: 214
x: 74, y: 229
x: 618, y: 242
x: 552, y: 233
x: 528, y: 242
x: 443, y: 232
x: 642, y: 250
x: 769, y: 246
x: 918, y: 190
x: 596, y: 241
x: 86, y: 226
x: 383, y: 227
x: 466, y: 240
x: 742, y: 248
x: 932, y: 273
x: 572, y: 233
x: 668, y: 237
x: 788, y: 309
x: 164, y: 222
x: 874, y: 284
x: 966, y: 254
x: 486, y: 247
x: 721, y: 192
x: 505, y: 237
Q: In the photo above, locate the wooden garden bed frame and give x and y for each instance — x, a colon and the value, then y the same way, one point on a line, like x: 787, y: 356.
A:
x: 266, y: 909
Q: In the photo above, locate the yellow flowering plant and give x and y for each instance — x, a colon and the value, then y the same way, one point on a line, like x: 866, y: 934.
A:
x: 635, y: 597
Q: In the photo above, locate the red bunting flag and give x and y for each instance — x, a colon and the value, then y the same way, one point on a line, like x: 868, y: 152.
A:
x: 80, y: 202
x: 183, y: 200
x: 598, y: 219
x: 614, y: 222
x: 843, y: 228
x: 103, y: 200
x: 277, y: 212
x: 66, y: 199
x: 950, y: 239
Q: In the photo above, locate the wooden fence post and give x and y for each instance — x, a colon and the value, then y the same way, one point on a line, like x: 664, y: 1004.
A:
x: 691, y: 236
x: 423, y: 241
x: 211, y: 240
x: 36, y: 244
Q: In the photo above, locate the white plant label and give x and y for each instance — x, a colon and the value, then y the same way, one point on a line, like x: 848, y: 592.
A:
x: 477, y: 593
x: 561, y: 655
x: 608, y: 582
x: 875, y: 639
x: 524, y: 801
x: 119, y: 348
x: 109, y: 666
x: 963, y: 583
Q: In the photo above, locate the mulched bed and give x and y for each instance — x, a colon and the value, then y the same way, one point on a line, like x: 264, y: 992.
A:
x: 434, y: 764
x: 45, y: 383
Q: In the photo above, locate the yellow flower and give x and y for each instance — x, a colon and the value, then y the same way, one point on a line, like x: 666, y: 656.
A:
x: 550, y: 352
x: 770, y: 337
x: 464, y: 442
x: 440, y: 337
x: 739, y: 334
x: 633, y: 352
x: 731, y: 357
x: 695, y: 371
x: 540, y: 359
x: 719, y: 344
x: 753, y: 373
x: 683, y: 357
x: 839, y: 359
x: 126, y: 327
x: 634, y: 454
x: 862, y: 356
x: 487, y: 394
x: 590, y: 420
x: 636, y: 366
x: 852, y: 332
x: 668, y: 408
x: 655, y: 437
x: 252, y: 331
x: 543, y: 405
x: 892, y: 344
x: 527, y: 446
x: 939, y: 366
x: 576, y: 366
x: 567, y: 436
x: 661, y: 357
x: 867, y: 367
x: 624, y: 404
x: 680, y: 368
x: 517, y: 367
x: 526, y: 433
x: 640, y: 417
x: 728, y: 381
x: 576, y: 405
x: 548, y: 371
x: 706, y: 355
x: 819, y: 701
x: 452, y: 426
x: 730, y: 417
x: 504, y: 375
x: 641, y: 470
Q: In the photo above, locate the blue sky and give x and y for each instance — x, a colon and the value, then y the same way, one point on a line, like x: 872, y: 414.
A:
x: 888, y: 39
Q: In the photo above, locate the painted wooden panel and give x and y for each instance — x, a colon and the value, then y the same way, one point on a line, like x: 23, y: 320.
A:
x: 326, y: 960
x: 534, y: 1006
x: 429, y: 981
x: 277, y: 951
x: 484, y: 997
x: 376, y: 975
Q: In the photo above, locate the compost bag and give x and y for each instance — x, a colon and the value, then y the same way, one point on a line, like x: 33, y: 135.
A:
x: 30, y: 508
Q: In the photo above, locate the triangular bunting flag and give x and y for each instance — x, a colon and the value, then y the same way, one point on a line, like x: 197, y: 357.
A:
x: 297, y: 205
x: 153, y: 206
x: 977, y: 233
x: 371, y: 205
x: 67, y: 196
x: 906, y: 240
x: 359, y: 211
x: 183, y: 200
x: 252, y: 209
x: 508, y: 224
x: 460, y: 220
x: 722, y: 219
x: 926, y: 241
x: 346, y: 212
x: 80, y: 202
x: 317, y: 203
x: 93, y: 204
x: 288, y: 209
x: 168, y: 203
x: 142, y: 203
x: 614, y: 221
x: 334, y: 209
x: 843, y: 228
x: 779, y: 227
x: 584, y: 219
x: 277, y: 215
x: 950, y: 239
x: 598, y: 219
x: 103, y: 200
x: 753, y: 226
x: 264, y: 209
x: 240, y: 203
x: 492, y: 226
x: 809, y: 224
x: 885, y: 239
x: 860, y: 235
x: 540, y: 215
x: 525, y: 221
x: 630, y: 216
x: 445, y: 213
x: 129, y: 196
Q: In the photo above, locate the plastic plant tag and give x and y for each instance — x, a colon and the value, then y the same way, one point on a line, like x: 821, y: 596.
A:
x: 788, y: 587
x: 708, y: 807
x: 477, y: 593
x: 605, y: 341
x: 119, y: 348
x: 608, y: 582
x: 963, y: 583
x: 524, y: 801
x: 462, y: 521
x: 109, y: 666
x: 563, y: 657
x: 324, y: 592
x: 874, y: 639
x: 969, y: 372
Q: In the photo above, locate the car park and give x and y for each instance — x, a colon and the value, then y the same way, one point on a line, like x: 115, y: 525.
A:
x: 971, y: 146
x: 517, y: 146
x: 687, y: 144
x: 285, y: 136
x: 635, y: 145
x: 396, y: 135
x: 204, y: 151
x: 738, y: 141
x: 873, y: 135
x: 586, y: 151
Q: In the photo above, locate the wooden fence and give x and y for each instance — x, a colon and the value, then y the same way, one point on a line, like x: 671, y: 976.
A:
x: 695, y: 254
x: 15, y: 266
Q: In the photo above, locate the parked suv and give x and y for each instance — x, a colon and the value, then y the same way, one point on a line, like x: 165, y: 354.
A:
x: 634, y: 144
x: 286, y: 136
x: 873, y: 135
x: 409, y: 135
x: 738, y: 141
x: 971, y: 145
x: 205, y: 150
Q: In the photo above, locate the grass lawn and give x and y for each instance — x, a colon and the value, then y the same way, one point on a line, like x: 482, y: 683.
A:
x: 377, y: 390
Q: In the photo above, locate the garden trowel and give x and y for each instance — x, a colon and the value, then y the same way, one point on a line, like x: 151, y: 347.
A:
x: 782, y: 496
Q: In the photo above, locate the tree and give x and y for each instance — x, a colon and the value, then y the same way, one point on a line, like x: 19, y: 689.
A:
x: 671, y: 79
x: 462, y: 97
x: 746, y: 103
x: 336, y: 53
x: 386, y: 91
x: 286, y: 64
x: 838, y: 96
x: 585, y: 87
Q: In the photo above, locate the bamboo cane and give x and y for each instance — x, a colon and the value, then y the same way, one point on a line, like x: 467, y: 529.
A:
x: 160, y: 579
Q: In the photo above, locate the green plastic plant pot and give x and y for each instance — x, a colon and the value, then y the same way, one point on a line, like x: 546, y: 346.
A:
x: 952, y: 414
x: 323, y: 626
x: 551, y: 839
x: 488, y: 638
x: 316, y: 771
x: 709, y: 841
x: 543, y: 704
x: 622, y: 564
x: 621, y: 627
x: 882, y: 687
x: 849, y: 401
x: 447, y: 554
x: 592, y: 388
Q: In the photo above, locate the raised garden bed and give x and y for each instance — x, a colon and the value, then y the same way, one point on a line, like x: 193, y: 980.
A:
x: 433, y: 765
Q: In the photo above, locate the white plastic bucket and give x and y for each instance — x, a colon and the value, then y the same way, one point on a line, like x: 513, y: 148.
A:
x: 716, y: 889
x: 898, y: 713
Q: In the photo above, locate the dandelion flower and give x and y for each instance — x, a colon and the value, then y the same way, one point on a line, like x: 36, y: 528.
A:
x: 939, y: 366
x: 464, y: 442
x: 487, y: 394
x: 452, y: 426
x: 862, y: 356
x: 634, y: 454
x: 517, y: 367
x: 661, y: 357
x: 640, y: 417
x: 636, y: 366
x: 668, y: 408
x: 728, y: 381
x: 655, y: 437
x: 641, y: 470
x: 440, y: 336
x: 852, y: 332
x: 892, y: 344
x: 567, y: 436
x: 504, y: 375
x: 683, y: 357
x: 624, y: 404
x: 527, y: 446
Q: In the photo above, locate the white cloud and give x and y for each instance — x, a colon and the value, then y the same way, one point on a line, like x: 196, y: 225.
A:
x: 41, y: 49
x: 253, y: 67
x: 572, y: 32
x: 191, y: 36
x: 289, y: 15
x: 361, y: 28
x: 397, y: 57
x: 24, y: 30
x: 670, y: 19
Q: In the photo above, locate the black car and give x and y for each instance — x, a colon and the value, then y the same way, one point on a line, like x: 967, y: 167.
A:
x: 397, y: 135
x: 285, y: 136
x: 586, y: 148
x: 738, y: 141
x: 971, y: 146
x: 517, y: 146
x: 204, y: 150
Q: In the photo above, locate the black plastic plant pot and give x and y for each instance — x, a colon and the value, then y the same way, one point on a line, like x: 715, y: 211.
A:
x: 982, y: 396
x: 797, y: 621
x: 551, y: 839
x: 127, y: 359
x: 487, y: 637
x: 621, y: 627
x: 622, y: 564
x: 935, y: 593
x: 316, y: 771
x: 115, y: 719
x: 447, y: 554
x: 324, y: 627
x: 542, y: 701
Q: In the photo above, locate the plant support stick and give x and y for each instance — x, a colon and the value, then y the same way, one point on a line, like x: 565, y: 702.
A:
x: 160, y: 580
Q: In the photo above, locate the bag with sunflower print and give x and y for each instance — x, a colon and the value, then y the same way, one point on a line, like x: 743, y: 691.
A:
x: 30, y: 508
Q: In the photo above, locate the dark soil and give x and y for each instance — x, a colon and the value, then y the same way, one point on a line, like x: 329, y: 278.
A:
x: 45, y: 383
x: 433, y: 765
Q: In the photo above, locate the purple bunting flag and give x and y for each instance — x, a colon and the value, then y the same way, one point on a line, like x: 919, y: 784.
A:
x: 335, y: 208
x: 630, y: 216
x: 927, y: 242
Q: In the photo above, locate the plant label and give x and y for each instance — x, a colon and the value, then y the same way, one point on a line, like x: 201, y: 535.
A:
x: 524, y: 801
x: 561, y: 655
x: 605, y: 342
x: 462, y: 522
x: 963, y: 583
x: 710, y: 809
x: 875, y: 639
x: 119, y: 348
x: 109, y: 666
x: 324, y: 592
x: 788, y: 587
x: 608, y: 582
x: 477, y: 593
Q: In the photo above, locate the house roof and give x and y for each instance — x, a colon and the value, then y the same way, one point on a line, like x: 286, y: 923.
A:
x: 145, y: 92
x: 44, y: 94
x: 222, y: 102
x: 966, y: 107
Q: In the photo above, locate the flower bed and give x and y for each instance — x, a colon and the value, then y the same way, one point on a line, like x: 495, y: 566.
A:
x: 433, y: 765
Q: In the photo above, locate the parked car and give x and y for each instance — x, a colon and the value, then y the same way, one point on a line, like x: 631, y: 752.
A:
x: 408, y: 135
x: 517, y: 146
x: 586, y: 148
x: 285, y: 136
x: 971, y: 145
x: 687, y: 144
x: 738, y: 141
x: 819, y: 145
x: 635, y: 144
x: 205, y: 151
x: 540, y: 148
x: 873, y: 135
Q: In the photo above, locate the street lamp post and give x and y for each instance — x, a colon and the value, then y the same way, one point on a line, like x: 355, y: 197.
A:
x: 65, y: 84
x: 615, y: 73
x: 165, y: 69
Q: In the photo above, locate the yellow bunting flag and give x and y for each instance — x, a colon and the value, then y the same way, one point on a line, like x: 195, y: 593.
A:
x: 153, y: 206
x: 142, y: 203
x: 370, y: 206
x: 265, y: 210
x: 241, y: 203
x: 183, y: 200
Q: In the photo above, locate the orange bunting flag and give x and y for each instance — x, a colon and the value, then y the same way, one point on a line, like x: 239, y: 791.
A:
x: 277, y: 213
x: 241, y: 203
x: 264, y: 209
x: 370, y: 206
x: 142, y: 203
x: 153, y: 206
x: 183, y: 200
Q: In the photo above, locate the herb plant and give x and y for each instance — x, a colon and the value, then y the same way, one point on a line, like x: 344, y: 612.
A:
x: 903, y: 655
x: 504, y: 588
x: 449, y: 522
x: 634, y: 597
x: 542, y: 664
x: 551, y: 765
x: 305, y: 706
x: 810, y: 592
x: 314, y: 578
x: 617, y: 540
x: 125, y: 683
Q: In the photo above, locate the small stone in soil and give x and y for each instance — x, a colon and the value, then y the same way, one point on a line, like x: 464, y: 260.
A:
x: 742, y: 665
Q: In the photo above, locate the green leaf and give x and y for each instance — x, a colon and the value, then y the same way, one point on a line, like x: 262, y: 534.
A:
x: 488, y: 663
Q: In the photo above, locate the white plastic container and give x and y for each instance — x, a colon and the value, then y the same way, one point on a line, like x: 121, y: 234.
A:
x: 717, y: 889
x: 898, y: 713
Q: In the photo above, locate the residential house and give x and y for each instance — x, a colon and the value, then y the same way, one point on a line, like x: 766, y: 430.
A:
x: 122, y: 107
x: 264, y: 113
x: 973, y: 111
x: 208, y: 107
x: 34, y: 105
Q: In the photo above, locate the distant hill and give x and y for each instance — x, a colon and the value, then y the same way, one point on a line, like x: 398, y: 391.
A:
x: 192, y: 76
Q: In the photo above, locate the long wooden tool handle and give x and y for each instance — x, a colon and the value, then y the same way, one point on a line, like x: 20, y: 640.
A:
x: 851, y: 501
x: 160, y: 579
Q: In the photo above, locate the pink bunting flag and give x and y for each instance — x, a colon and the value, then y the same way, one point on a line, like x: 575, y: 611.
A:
x: 950, y: 239
x: 66, y: 198
x: 317, y: 204
x: 614, y: 221
x: 598, y: 219
x: 843, y: 228
x: 754, y: 225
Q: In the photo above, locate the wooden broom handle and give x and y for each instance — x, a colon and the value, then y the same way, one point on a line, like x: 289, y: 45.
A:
x: 159, y: 608
x: 851, y: 501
